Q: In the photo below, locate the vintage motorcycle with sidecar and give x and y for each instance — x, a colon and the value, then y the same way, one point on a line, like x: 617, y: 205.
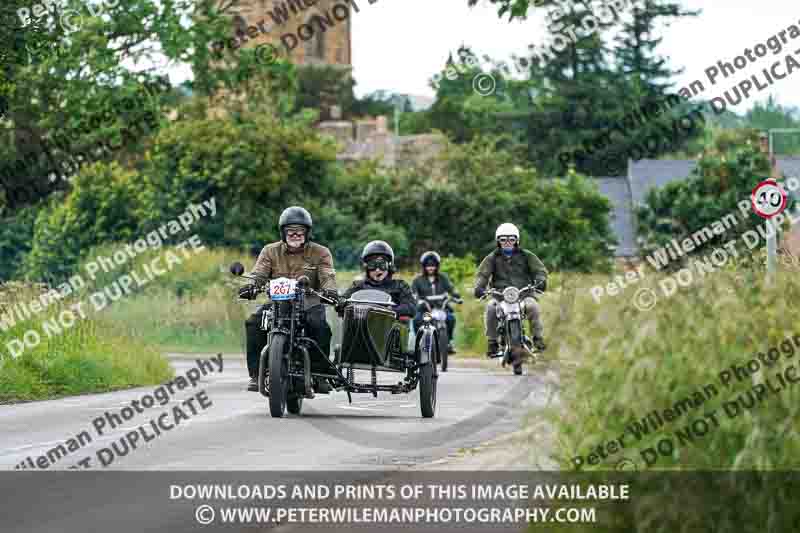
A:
x: 515, y: 345
x: 293, y: 367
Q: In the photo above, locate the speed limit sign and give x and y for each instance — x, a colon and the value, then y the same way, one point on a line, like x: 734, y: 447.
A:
x: 768, y: 198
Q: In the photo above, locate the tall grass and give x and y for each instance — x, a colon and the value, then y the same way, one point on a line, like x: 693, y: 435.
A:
x: 627, y: 362
x: 87, y: 357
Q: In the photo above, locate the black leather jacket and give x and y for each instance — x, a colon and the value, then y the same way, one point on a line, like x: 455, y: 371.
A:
x: 422, y: 287
x: 405, y: 304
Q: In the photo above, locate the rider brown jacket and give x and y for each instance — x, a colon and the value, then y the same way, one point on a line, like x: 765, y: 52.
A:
x: 315, y: 261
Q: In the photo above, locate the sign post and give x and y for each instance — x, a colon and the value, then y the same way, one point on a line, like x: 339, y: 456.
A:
x: 769, y: 199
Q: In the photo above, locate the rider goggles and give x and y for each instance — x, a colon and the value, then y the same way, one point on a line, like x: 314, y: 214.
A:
x: 503, y: 240
x: 295, y: 231
x: 378, y: 264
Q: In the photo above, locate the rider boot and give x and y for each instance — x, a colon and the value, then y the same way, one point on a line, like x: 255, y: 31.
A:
x: 538, y: 343
x: 451, y: 326
x: 256, y: 340
x: 493, y: 348
x: 535, y: 320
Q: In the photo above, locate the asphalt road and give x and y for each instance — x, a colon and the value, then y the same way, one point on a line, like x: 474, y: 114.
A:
x: 235, y: 432
x: 230, y: 437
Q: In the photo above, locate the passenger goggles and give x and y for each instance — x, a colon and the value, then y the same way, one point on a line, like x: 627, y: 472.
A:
x: 503, y: 240
x: 378, y: 264
x: 295, y: 231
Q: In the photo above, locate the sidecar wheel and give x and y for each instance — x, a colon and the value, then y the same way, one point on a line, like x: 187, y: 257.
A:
x: 278, y: 376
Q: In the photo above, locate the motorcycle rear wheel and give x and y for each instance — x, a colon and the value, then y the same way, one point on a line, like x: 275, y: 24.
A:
x: 278, y: 376
x: 443, y: 347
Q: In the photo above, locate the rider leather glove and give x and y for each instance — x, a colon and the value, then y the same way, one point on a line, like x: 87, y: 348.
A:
x: 333, y: 294
x: 248, y: 292
x: 479, y: 292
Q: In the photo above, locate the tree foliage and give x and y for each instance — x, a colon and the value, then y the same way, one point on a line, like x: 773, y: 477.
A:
x: 713, y: 190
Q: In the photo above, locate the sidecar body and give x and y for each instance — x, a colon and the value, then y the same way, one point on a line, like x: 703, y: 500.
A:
x: 372, y: 338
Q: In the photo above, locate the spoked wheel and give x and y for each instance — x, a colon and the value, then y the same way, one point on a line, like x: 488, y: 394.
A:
x: 427, y: 375
x: 278, y: 376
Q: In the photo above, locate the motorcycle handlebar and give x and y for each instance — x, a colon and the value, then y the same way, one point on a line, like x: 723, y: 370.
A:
x: 527, y: 288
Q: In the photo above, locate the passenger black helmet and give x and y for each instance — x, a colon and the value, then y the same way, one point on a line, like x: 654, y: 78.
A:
x: 295, y: 215
x: 378, y: 248
x: 430, y: 257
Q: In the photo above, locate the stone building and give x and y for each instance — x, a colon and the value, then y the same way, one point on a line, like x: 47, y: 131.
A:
x: 312, y: 32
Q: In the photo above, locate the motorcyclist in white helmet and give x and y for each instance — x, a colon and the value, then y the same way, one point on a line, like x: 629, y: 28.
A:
x: 510, y: 265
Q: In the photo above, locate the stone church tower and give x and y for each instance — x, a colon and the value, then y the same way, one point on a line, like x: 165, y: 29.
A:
x: 313, y: 32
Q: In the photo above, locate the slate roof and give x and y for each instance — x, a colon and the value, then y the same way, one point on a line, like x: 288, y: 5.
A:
x: 623, y: 192
x: 790, y: 167
x: 622, y: 222
x: 647, y: 174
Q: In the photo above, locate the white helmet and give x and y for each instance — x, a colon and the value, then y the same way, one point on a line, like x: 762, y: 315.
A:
x: 508, y: 230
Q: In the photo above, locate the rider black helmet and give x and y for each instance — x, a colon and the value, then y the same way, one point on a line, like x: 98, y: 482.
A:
x: 378, y: 248
x: 295, y: 215
x: 430, y: 257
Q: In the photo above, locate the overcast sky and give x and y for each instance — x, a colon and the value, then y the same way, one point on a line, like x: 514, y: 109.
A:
x: 399, y: 44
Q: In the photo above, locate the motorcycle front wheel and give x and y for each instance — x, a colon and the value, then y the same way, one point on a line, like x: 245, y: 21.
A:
x: 278, y: 376
x: 514, y: 333
x: 427, y: 375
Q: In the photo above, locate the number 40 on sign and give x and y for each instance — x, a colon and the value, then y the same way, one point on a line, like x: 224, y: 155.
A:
x: 768, y: 198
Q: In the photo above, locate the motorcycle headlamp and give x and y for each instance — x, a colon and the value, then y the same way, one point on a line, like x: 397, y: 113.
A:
x: 511, y: 295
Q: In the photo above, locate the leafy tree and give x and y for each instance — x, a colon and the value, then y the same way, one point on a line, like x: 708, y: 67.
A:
x: 101, y: 207
x: 772, y: 115
x: 460, y: 110
x: 75, y: 89
x: 721, y: 179
x: 16, y: 236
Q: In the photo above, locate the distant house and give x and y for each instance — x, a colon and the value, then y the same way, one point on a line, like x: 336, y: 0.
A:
x: 627, y: 192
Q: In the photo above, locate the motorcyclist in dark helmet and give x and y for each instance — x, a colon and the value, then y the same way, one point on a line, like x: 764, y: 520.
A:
x: 377, y: 259
x: 433, y: 283
x: 291, y: 257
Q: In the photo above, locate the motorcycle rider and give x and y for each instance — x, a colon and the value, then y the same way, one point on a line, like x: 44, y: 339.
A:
x: 291, y: 257
x: 377, y: 258
x: 510, y: 265
x: 433, y: 283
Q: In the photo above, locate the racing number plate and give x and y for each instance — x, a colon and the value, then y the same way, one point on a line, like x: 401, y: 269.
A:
x: 282, y: 288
